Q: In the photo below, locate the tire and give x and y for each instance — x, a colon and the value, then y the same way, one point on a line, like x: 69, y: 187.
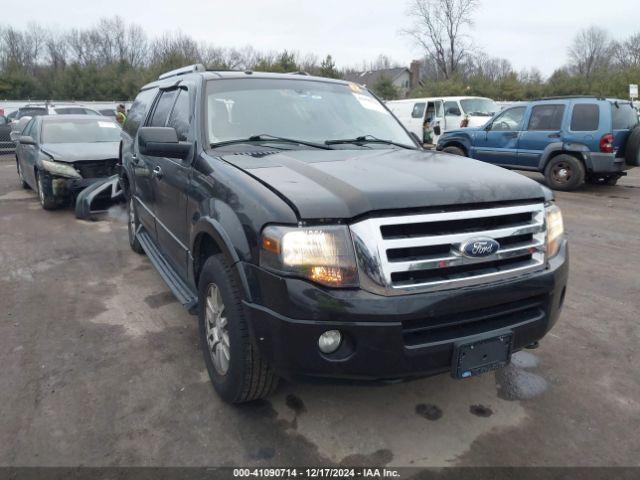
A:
x: 247, y: 376
x: 454, y: 151
x: 610, y: 180
x: 47, y: 200
x: 632, y: 149
x: 132, y: 226
x: 564, y: 172
x: 25, y: 185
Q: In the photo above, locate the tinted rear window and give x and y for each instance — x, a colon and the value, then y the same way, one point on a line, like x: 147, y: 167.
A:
x: 546, y: 117
x: 585, y: 118
x: 418, y: 110
x: 31, y: 112
x: 624, y: 116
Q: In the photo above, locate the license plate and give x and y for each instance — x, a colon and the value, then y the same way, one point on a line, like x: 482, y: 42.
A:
x: 481, y: 356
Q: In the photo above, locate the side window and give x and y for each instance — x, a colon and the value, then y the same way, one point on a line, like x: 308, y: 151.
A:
x: 28, y: 129
x: 509, y: 121
x: 163, y: 107
x: 418, y: 110
x: 585, y: 117
x: 546, y: 118
x: 138, y: 111
x: 181, y: 115
x: 624, y: 116
x: 452, y: 108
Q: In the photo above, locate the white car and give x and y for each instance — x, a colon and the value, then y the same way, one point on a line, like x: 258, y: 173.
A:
x: 443, y: 113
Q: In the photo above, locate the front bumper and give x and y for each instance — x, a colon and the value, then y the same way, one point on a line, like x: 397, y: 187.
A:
x: 394, y: 337
x: 64, y: 187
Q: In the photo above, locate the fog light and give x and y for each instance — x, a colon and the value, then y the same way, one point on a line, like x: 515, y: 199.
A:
x: 329, y: 341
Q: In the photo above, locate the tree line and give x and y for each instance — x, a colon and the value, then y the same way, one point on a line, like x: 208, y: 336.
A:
x: 113, y: 59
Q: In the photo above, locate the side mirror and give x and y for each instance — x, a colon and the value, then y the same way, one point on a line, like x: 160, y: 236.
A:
x: 26, y: 140
x: 162, y: 142
x: 437, y: 130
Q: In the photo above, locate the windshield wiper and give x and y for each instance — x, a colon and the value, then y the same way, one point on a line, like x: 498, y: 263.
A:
x: 367, y: 139
x: 269, y: 138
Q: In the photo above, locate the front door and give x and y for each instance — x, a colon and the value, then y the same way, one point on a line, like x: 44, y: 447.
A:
x: 498, y: 143
x: 141, y: 167
x: 452, y: 115
x: 171, y: 187
x: 543, y: 128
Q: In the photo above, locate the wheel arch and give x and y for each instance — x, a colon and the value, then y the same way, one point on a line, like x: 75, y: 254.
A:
x: 210, y: 238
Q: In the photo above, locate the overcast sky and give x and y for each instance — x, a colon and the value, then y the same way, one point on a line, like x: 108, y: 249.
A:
x: 529, y: 33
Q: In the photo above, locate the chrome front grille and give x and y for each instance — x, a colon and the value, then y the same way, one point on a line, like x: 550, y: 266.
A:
x: 413, y: 253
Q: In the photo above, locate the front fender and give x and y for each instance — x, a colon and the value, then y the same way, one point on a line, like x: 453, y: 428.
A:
x: 232, y: 243
x: 462, y: 139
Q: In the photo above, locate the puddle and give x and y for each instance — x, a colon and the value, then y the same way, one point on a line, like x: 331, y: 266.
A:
x: 428, y: 411
x: 516, y: 383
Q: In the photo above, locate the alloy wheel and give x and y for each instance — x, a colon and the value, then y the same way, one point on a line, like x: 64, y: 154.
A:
x: 216, y: 325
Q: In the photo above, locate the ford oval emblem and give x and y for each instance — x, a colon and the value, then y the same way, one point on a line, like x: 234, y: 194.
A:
x: 479, y: 247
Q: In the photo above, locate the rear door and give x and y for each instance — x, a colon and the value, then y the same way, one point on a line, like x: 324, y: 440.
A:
x: 543, y: 127
x: 498, y: 144
x: 172, y: 183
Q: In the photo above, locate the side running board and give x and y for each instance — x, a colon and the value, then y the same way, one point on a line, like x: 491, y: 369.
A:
x: 185, y: 295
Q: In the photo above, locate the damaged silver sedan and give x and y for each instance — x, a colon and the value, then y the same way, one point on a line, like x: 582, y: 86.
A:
x: 64, y: 158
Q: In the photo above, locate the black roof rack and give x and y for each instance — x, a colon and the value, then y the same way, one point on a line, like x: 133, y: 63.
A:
x: 197, y: 67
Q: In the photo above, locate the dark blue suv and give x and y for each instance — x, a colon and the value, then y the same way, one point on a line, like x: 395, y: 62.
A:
x: 570, y: 139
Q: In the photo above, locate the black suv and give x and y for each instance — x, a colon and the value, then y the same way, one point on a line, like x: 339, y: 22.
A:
x: 315, y: 238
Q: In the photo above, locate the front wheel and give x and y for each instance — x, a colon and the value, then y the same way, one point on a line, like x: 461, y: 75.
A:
x: 45, y: 193
x: 25, y: 185
x: 236, y: 368
x: 454, y: 151
x: 564, y: 172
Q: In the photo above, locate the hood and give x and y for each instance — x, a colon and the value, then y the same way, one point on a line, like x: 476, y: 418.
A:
x: 478, y: 121
x: 76, y: 152
x: 348, y: 183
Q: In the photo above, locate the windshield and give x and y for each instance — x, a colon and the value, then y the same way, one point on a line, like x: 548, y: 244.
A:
x: 303, y: 110
x: 81, y: 131
x: 479, y: 107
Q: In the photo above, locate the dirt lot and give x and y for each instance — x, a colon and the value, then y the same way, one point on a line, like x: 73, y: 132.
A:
x: 99, y: 365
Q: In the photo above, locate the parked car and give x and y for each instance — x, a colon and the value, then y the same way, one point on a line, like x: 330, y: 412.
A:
x: 445, y: 113
x: 569, y: 139
x: 314, y: 238
x: 5, y: 134
x: 36, y: 110
x: 60, y: 155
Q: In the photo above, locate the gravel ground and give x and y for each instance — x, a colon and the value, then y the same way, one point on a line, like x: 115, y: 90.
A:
x: 100, y: 365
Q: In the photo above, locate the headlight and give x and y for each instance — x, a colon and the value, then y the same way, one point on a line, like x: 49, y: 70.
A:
x: 61, y: 169
x: 320, y: 254
x: 555, y: 230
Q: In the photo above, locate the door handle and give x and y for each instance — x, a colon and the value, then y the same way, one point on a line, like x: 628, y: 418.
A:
x: 157, y: 172
x: 554, y: 135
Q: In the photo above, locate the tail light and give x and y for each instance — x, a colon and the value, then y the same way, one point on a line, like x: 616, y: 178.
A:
x: 606, y: 143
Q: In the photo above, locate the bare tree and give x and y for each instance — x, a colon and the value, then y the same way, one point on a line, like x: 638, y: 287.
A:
x: 438, y: 28
x: 627, y: 53
x: 590, y: 51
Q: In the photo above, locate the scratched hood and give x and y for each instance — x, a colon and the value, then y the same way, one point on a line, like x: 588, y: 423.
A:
x: 348, y: 183
x: 75, y: 152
